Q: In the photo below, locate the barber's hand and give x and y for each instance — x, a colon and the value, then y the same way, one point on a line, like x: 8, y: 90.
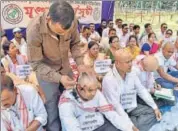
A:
x: 134, y: 128
x: 158, y: 114
x: 67, y: 82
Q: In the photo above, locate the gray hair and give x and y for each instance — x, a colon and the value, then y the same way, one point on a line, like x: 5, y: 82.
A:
x: 62, y: 12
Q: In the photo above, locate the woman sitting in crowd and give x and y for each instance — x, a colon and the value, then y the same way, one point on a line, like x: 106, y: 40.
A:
x: 167, y: 38
x: 12, y: 57
x: 151, y: 47
x: 92, y: 54
x: 114, y: 45
x: 133, y: 46
x: 86, y: 109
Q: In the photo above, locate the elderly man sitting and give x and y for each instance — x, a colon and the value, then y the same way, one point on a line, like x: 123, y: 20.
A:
x: 21, y: 107
x: 121, y: 86
x: 162, y: 76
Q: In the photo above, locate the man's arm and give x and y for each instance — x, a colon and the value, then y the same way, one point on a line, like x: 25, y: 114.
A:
x: 35, y: 56
x: 75, y: 44
x: 112, y: 95
x: 39, y: 112
x: 166, y: 75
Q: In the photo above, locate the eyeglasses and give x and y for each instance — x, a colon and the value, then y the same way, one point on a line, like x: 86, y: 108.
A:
x: 165, y: 27
x: 169, y: 33
x: 111, y: 23
x: 115, y: 41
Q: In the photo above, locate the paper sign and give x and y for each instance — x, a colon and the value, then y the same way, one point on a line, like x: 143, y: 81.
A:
x: 102, y: 66
x: 128, y: 99
x: 91, y: 121
x: 23, y: 70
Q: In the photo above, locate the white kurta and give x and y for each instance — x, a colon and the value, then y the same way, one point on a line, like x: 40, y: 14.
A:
x: 164, y: 63
x: 35, y: 107
x: 123, y: 39
x: 72, y: 112
x: 105, y: 32
x: 22, y: 46
x: 114, y: 88
x: 146, y: 78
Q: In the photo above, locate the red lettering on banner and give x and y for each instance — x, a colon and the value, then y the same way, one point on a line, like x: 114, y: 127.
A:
x: 31, y: 10
x: 83, y: 12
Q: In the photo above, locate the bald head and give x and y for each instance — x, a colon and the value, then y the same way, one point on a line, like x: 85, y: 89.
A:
x: 122, y: 54
x: 168, y: 50
x: 150, y: 63
x: 168, y: 46
x: 123, y: 60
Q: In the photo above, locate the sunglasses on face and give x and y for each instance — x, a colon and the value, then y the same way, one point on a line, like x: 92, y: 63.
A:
x: 165, y: 27
x: 169, y: 33
x: 111, y: 23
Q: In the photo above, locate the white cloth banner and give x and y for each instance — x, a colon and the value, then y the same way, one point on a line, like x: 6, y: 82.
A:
x: 19, y: 13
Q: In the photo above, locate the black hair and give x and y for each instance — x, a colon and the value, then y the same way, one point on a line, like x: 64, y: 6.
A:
x: 149, y: 35
x: 112, y: 38
x: 169, y: 30
x: 6, y: 47
x: 7, y: 83
x: 146, y: 25
x: 123, y: 25
x: 91, y: 44
x: 135, y: 27
x: 133, y: 36
x: 63, y: 13
x: 163, y: 24
x: 112, y: 29
x: 85, y: 28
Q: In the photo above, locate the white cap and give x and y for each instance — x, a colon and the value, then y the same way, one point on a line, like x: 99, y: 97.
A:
x: 17, y: 29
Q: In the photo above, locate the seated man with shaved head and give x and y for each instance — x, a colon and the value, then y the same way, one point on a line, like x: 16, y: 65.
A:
x: 86, y: 109
x: 162, y: 76
x: 145, y: 66
x: 123, y: 89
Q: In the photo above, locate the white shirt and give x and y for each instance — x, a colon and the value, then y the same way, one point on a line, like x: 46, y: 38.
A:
x: 118, y: 31
x: 114, y: 87
x: 168, y: 40
x: 124, y: 39
x: 72, y: 112
x: 175, y: 57
x: 94, y: 35
x: 164, y: 63
x: 36, y: 110
x: 105, y: 32
x: 22, y: 46
x: 104, y: 43
x: 146, y: 78
x: 160, y: 36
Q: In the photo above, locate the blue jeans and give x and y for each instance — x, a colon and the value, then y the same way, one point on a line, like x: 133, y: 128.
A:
x: 167, y: 84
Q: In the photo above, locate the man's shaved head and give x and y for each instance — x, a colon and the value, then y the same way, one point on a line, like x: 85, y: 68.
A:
x: 168, y: 50
x: 123, y: 60
x: 150, y: 63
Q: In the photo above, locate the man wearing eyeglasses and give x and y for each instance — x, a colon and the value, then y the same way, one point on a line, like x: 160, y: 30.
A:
x: 106, y: 30
x: 50, y: 37
x: 124, y: 36
x: 163, y: 31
